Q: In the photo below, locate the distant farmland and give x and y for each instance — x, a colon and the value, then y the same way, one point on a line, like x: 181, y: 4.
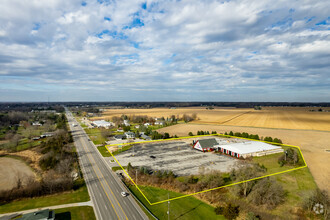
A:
x: 269, y: 117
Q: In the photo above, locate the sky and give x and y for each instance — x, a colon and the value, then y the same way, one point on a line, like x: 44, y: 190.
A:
x: 131, y: 50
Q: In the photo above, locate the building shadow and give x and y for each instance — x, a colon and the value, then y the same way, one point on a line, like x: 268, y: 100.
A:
x: 63, y: 216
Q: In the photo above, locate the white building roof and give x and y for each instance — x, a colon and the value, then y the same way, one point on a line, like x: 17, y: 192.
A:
x: 248, y: 147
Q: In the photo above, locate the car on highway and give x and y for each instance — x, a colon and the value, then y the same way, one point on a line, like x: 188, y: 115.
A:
x: 124, y: 194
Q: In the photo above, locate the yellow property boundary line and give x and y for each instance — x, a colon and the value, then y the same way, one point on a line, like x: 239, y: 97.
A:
x: 232, y: 184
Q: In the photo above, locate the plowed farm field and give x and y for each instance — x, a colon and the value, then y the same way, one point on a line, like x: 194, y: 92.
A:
x: 271, y: 117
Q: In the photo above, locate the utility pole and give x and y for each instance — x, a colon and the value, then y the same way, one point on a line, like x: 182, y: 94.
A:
x: 136, y: 177
x: 168, y: 206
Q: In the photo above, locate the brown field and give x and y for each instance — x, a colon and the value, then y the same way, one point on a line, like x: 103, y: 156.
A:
x: 270, y: 117
x: 312, y: 143
x: 12, y: 169
x: 294, y: 125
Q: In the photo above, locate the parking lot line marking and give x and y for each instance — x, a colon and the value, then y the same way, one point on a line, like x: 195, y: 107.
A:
x: 208, y: 190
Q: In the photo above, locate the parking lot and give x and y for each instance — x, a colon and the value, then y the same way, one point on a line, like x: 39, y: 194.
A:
x: 177, y: 156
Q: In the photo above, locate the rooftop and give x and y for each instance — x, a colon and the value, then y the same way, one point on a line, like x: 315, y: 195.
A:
x: 249, y: 147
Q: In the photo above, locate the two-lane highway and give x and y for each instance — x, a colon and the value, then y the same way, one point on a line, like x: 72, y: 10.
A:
x: 104, y: 186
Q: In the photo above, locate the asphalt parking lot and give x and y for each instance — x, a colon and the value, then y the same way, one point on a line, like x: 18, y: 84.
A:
x: 176, y: 156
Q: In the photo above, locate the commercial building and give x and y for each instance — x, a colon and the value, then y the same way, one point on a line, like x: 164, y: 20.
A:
x: 102, y: 123
x: 248, y: 149
x: 205, y: 144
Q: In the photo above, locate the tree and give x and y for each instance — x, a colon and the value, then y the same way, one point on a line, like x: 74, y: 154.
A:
x: 231, y: 133
x: 166, y: 135
x: 190, y: 134
x: 246, y: 173
x: 231, y: 211
x: 267, y: 192
x: 268, y: 139
x: 318, y: 197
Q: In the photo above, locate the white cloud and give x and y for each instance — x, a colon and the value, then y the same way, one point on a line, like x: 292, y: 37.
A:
x: 182, y: 47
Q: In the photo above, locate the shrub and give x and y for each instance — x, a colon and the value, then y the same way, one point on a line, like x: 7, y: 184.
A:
x: 219, y: 210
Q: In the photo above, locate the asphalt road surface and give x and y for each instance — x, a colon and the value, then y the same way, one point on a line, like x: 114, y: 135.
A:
x: 103, y: 185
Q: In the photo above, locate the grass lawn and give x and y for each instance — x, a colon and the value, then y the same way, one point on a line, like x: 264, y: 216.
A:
x: 124, y: 148
x: 80, y: 195
x: 118, y: 168
x: 24, y: 144
x: 298, y: 184
x: 272, y: 165
x: 75, y: 213
x: 95, y: 135
x: 104, y: 152
x: 186, y: 208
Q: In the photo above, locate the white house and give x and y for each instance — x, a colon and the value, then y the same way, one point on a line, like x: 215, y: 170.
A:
x: 36, y: 123
x: 147, y: 124
x: 160, y: 122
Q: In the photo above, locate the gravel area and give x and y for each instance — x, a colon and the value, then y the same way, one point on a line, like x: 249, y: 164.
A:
x: 179, y: 157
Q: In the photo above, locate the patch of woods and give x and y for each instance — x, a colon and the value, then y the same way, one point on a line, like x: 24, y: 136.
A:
x: 60, y: 169
x: 17, y: 129
x: 290, y: 157
x: 247, y: 196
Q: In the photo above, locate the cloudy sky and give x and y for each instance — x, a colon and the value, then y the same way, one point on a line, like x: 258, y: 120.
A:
x: 131, y: 50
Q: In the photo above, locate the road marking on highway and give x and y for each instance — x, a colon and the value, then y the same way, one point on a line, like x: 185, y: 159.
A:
x: 101, y: 183
x: 112, y: 192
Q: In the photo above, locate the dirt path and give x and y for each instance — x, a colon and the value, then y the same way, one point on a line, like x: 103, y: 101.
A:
x: 12, y: 169
x: 312, y: 143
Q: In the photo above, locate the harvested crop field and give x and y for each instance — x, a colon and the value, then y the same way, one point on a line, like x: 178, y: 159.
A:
x: 312, y: 143
x: 12, y: 169
x: 268, y: 117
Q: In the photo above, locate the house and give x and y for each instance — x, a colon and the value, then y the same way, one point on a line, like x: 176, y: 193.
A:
x: 146, y: 124
x: 158, y: 119
x: 120, y: 129
x: 248, y: 149
x: 205, y: 144
x: 36, y: 123
x: 126, y: 123
x: 130, y: 134
x: 120, y: 136
x: 137, y: 126
x: 102, y: 123
x: 45, y: 214
x: 160, y: 122
x: 145, y: 137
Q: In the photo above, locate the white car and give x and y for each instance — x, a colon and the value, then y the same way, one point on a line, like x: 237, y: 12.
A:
x: 124, y: 194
